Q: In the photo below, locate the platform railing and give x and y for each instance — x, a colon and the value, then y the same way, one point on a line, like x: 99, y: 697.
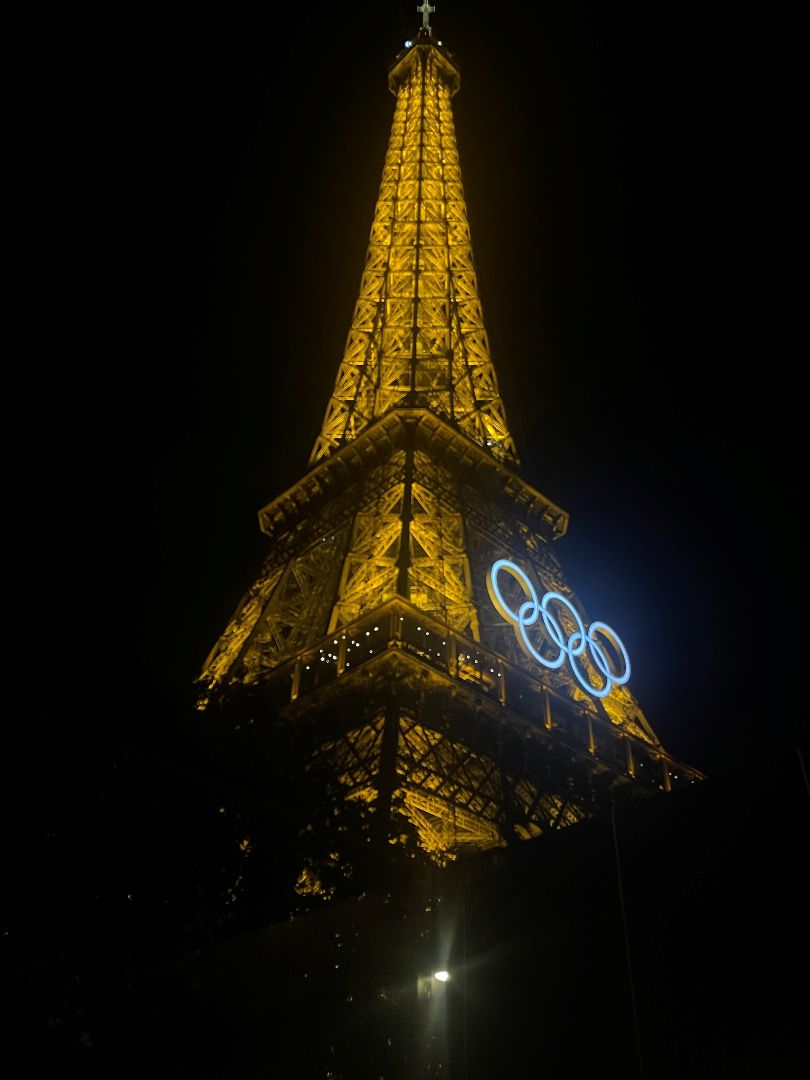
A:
x: 397, y: 625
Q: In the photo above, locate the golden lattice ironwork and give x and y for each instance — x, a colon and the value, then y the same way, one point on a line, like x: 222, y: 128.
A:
x: 370, y: 620
x: 417, y: 337
x: 452, y: 795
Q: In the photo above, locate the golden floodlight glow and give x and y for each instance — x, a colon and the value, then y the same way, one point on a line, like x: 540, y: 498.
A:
x: 368, y: 626
x: 417, y: 337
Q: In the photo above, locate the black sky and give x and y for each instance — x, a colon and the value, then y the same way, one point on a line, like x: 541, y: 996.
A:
x: 204, y: 182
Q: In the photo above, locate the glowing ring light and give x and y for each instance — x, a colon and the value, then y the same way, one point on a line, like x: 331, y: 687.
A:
x: 573, y: 645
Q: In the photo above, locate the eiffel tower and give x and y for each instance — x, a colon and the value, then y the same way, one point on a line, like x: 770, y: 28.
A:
x: 411, y: 608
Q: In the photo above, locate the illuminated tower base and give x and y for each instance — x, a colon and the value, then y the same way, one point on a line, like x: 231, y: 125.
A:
x: 428, y: 708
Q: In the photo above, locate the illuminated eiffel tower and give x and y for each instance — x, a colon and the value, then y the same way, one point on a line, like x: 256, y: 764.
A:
x: 411, y: 606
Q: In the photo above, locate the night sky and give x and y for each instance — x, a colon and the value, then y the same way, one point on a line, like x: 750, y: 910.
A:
x: 204, y: 182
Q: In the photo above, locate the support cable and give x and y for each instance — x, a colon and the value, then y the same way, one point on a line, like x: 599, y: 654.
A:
x: 627, y: 944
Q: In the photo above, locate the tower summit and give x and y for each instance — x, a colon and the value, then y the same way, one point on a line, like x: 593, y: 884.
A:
x: 426, y: 11
x: 411, y: 611
x: 417, y: 337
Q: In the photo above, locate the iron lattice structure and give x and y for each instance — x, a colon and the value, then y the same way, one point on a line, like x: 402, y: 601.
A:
x: 371, y: 617
x: 417, y: 336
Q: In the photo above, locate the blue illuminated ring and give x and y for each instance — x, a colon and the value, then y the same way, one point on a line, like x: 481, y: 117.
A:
x: 573, y: 645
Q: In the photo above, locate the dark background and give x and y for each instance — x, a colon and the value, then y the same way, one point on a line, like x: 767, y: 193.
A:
x: 192, y: 191
x: 197, y: 187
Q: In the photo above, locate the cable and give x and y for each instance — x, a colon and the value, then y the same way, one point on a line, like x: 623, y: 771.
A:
x: 627, y: 944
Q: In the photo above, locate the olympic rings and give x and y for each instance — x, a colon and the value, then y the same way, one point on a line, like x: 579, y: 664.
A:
x: 574, y: 645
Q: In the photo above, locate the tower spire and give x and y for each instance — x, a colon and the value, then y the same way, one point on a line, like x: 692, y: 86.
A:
x: 417, y: 337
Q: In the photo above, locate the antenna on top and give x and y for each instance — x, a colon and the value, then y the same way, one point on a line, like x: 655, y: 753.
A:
x: 425, y: 10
